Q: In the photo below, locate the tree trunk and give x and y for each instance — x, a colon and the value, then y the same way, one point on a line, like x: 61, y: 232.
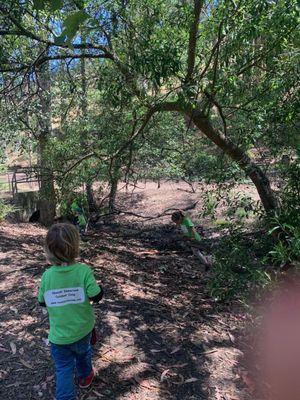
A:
x: 47, y: 198
x: 47, y: 201
x: 114, y: 180
x: 252, y: 170
x: 90, y: 196
x: 112, y: 195
x: 89, y: 183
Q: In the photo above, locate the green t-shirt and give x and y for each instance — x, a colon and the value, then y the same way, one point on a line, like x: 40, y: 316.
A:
x: 66, y: 291
x: 75, y: 207
x: 187, y: 229
x: 81, y: 220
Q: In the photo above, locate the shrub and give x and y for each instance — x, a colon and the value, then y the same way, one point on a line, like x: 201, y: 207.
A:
x: 238, y: 267
x: 286, y: 223
x: 5, y: 209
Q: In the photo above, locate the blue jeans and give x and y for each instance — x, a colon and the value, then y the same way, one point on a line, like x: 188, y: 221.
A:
x: 70, y: 359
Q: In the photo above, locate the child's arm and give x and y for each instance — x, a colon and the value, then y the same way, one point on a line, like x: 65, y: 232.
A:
x: 41, y: 299
x: 93, y: 290
x: 192, y: 232
x: 98, y: 297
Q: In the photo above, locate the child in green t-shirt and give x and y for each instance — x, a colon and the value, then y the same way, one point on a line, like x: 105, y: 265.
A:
x: 66, y: 290
x: 79, y: 219
x: 191, y: 236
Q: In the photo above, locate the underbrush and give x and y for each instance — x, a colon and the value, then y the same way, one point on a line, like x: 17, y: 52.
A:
x: 239, y: 267
x: 5, y: 209
x: 286, y: 223
x: 243, y: 262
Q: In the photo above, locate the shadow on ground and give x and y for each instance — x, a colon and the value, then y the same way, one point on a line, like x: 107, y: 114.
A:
x: 159, y: 330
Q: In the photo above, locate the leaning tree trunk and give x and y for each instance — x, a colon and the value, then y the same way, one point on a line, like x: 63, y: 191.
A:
x: 47, y: 198
x: 252, y: 170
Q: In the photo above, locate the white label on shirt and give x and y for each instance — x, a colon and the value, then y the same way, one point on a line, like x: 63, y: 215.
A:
x: 184, y: 229
x: 63, y: 297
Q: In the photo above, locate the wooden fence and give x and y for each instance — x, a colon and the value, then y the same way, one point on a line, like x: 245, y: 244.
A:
x: 15, y: 177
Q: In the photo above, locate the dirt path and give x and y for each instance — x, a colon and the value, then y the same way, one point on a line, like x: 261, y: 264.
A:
x: 161, y: 336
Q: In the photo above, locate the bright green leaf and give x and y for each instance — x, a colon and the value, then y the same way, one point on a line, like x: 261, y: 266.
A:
x: 73, y: 22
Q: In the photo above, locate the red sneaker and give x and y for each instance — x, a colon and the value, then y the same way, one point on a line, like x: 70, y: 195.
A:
x: 86, y: 382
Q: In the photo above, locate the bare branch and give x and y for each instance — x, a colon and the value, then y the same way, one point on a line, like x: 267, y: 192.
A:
x: 168, y: 211
x: 213, y: 100
x: 198, y: 4
x: 147, y: 118
x: 87, y: 156
x: 128, y: 167
x: 214, y: 49
x: 217, y: 58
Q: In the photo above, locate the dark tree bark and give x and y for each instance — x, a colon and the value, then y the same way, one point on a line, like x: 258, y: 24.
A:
x: 84, y: 105
x: 114, y: 180
x: 47, y: 201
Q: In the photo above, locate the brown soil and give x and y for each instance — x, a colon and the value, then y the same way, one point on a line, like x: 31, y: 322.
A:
x: 161, y: 335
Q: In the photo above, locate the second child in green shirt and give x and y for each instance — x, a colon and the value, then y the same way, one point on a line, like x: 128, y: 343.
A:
x: 191, y: 236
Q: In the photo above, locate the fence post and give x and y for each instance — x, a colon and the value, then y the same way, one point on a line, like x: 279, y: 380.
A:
x: 14, y: 184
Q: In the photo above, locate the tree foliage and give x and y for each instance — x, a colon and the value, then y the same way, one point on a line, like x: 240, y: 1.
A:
x: 229, y: 67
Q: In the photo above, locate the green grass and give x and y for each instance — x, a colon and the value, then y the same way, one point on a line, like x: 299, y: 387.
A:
x: 4, y: 187
x: 222, y: 223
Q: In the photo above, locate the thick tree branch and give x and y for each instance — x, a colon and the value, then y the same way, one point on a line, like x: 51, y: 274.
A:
x: 228, y: 147
x: 42, y: 60
x: 20, y: 27
x: 106, y: 53
x: 22, y: 31
x: 6, y: 32
x: 198, y: 4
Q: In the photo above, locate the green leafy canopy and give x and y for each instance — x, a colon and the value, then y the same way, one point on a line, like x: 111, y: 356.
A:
x: 52, y: 5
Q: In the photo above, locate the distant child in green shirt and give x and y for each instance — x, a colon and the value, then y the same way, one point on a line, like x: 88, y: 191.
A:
x: 66, y: 289
x: 79, y: 219
x: 191, y: 236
